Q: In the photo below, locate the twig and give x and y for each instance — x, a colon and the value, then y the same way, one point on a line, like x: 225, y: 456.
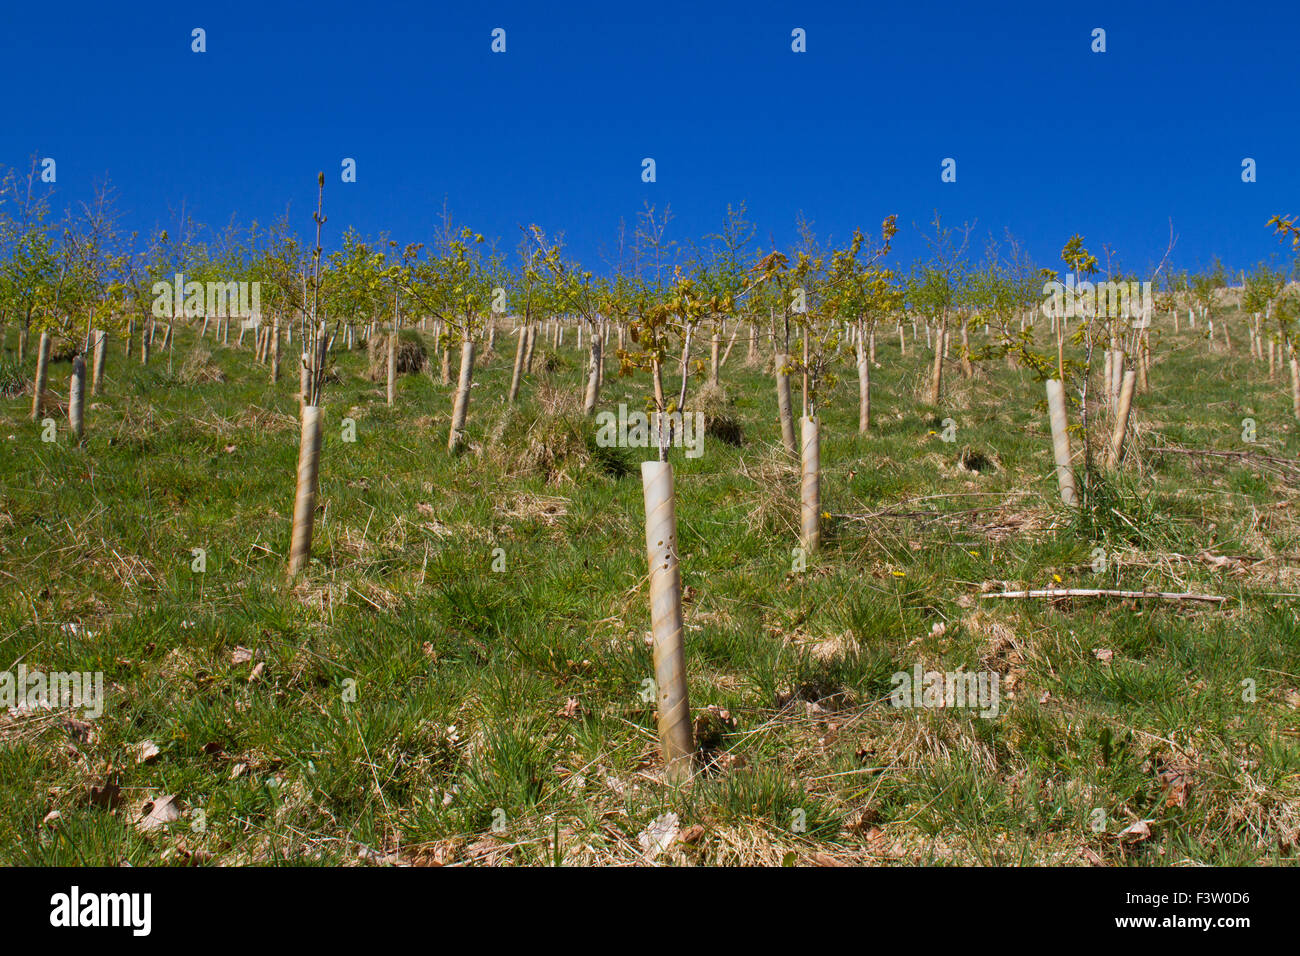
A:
x: 1099, y: 592
x: 1216, y: 453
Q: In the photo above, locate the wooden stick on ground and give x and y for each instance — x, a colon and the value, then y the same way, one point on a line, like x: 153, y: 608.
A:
x: 1098, y: 592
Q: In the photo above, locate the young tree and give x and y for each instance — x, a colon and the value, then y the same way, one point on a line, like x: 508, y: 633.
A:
x: 315, y: 342
x: 936, y: 288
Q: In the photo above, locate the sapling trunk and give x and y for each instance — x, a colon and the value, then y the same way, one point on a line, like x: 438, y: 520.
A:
x: 517, y: 374
x: 460, y: 410
x: 304, y: 502
x: 445, y: 365
x: 676, y: 738
x: 726, y: 353
x: 392, y: 366
x: 600, y: 360
x: 146, y: 339
x: 101, y: 356
x: 77, y: 398
x: 967, y: 369
x: 528, y: 352
x: 593, y: 378
x: 783, y: 405
x: 304, y: 383
x: 1124, y: 403
x: 864, y: 390
x: 1061, y: 441
x: 1144, y: 360
x: 715, y: 344
x: 1295, y: 387
x: 936, y: 371
x: 42, y: 374
x: 810, y: 488
x: 275, y: 351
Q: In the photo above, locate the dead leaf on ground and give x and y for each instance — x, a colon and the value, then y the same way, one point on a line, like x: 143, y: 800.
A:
x: 1093, y: 858
x: 659, y: 835
x: 146, y: 751
x: 79, y: 729
x: 823, y: 859
x: 691, y: 834
x: 156, y: 814
x: 1135, y: 832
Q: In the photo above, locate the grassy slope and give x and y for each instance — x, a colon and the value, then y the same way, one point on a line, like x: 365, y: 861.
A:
x: 460, y: 672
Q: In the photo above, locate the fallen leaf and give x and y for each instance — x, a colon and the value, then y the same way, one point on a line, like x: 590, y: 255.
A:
x: 156, y: 814
x: 241, y: 655
x: 370, y: 855
x: 146, y: 751
x: 257, y: 671
x: 1135, y: 832
x: 572, y: 709
x: 79, y: 729
x: 691, y: 834
x: 1103, y: 654
x: 659, y: 835
x: 823, y: 859
x: 1221, y: 561
x: 1177, y: 786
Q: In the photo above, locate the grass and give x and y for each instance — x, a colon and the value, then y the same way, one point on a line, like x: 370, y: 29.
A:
x: 404, y: 702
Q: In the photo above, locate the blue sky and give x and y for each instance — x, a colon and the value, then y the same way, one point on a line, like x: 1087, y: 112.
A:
x: 1049, y: 137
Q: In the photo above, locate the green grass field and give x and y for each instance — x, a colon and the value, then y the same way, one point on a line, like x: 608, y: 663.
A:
x: 405, y: 703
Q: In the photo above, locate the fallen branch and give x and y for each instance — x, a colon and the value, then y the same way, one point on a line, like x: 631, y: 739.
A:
x: 1099, y: 592
x: 1266, y: 460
